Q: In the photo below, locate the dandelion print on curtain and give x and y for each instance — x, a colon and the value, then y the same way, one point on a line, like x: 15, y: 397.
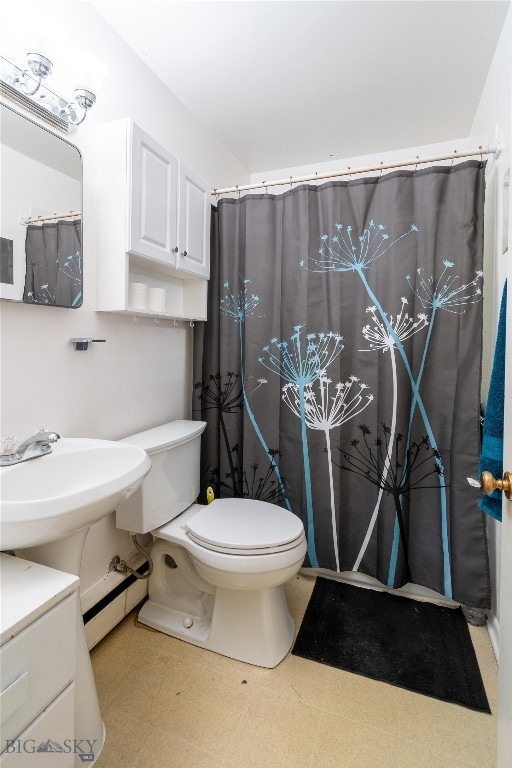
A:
x: 339, y: 370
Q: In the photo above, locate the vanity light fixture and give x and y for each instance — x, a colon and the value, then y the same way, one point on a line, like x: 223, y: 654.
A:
x: 26, y: 88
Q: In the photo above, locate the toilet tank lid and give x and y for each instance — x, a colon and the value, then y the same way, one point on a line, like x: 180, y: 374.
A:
x: 166, y: 436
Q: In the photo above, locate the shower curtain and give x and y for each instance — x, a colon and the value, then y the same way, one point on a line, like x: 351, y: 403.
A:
x: 339, y: 370
x: 54, y: 264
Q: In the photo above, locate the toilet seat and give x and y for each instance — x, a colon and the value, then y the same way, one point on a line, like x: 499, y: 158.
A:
x: 245, y: 527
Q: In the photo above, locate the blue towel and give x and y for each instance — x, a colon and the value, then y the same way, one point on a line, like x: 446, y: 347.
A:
x: 491, y: 458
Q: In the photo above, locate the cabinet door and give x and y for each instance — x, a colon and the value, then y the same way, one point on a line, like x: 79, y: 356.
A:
x: 153, y: 199
x: 194, y: 230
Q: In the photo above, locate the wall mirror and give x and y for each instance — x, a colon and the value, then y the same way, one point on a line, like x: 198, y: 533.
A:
x: 40, y: 214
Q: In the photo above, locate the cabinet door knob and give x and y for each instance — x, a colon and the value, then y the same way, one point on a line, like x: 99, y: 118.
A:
x: 184, y: 254
x: 175, y: 249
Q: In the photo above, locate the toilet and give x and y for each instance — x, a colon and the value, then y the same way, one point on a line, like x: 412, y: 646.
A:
x: 219, y: 569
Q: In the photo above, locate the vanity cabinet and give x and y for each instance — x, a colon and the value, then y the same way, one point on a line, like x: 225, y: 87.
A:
x: 37, y: 663
x: 153, y: 225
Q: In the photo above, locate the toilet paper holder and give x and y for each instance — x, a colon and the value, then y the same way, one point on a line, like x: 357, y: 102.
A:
x: 82, y: 345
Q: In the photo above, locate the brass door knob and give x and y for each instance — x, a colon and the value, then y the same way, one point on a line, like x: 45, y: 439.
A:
x: 488, y: 483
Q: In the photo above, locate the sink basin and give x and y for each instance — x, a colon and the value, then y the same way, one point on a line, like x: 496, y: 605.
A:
x: 50, y: 497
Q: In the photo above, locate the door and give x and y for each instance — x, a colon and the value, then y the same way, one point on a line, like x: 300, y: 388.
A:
x: 194, y: 230
x: 153, y: 206
x: 505, y: 644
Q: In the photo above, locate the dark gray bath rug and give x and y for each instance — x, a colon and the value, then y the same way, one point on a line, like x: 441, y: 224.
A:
x: 419, y: 646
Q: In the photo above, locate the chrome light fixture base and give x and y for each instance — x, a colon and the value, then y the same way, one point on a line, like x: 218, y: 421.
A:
x: 84, y: 100
x: 21, y: 86
x: 40, y: 65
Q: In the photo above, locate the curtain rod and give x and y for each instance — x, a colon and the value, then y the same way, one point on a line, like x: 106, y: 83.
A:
x: 491, y: 150
x: 40, y: 219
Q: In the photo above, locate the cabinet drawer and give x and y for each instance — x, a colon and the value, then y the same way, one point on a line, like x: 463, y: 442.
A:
x: 52, y: 731
x: 35, y: 666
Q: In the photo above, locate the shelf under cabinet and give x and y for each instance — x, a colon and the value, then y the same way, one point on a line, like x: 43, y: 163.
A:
x: 154, y: 315
x: 186, y: 294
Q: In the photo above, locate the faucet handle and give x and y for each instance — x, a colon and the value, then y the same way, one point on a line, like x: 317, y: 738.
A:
x: 8, y: 445
x: 48, y: 435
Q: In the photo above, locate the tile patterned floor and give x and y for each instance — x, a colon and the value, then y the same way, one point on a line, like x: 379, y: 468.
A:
x: 167, y: 704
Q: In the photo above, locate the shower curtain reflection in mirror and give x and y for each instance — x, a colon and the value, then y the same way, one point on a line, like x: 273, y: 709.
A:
x: 54, y: 264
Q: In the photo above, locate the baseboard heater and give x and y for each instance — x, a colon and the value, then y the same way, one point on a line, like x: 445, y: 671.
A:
x: 104, y: 615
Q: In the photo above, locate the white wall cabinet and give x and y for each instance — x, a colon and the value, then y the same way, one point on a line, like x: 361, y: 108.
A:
x: 153, y: 225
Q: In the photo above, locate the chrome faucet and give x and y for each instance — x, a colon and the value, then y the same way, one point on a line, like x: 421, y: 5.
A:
x: 37, y: 445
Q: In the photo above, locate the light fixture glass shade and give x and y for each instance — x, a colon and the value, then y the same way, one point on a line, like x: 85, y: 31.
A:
x: 88, y: 69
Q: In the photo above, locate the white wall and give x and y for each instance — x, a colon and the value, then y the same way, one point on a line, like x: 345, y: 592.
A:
x: 141, y: 376
x: 363, y: 161
x: 495, y: 108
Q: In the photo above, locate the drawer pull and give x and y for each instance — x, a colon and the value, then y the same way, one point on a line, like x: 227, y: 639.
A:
x: 14, y: 696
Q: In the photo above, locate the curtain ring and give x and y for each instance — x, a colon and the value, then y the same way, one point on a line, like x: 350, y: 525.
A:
x: 381, y: 162
x: 291, y: 183
x: 416, y: 166
x: 191, y: 323
x: 350, y: 174
x: 157, y: 320
x: 481, y: 154
x: 176, y: 322
x: 135, y: 319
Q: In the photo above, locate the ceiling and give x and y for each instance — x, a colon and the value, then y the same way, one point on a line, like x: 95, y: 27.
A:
x: 284, y: 83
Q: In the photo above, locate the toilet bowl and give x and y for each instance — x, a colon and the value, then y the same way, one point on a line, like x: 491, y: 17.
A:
x: 218, y: 570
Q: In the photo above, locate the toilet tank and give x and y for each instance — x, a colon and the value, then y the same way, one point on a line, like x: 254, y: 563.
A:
x: 172, y: 483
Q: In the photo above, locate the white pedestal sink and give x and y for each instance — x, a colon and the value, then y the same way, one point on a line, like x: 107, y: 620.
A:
x: 47, y: 506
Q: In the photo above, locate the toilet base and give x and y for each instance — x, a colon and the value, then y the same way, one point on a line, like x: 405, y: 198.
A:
x: 250, y: 626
